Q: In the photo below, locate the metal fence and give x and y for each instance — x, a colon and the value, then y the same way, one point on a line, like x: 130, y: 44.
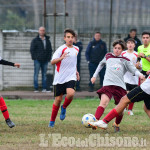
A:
x: 113, y: 18
x: 85, y: 16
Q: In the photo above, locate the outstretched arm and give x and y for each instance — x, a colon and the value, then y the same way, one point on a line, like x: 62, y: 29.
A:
x: 4, y: 62
x: 55, y: 61
x: 100, y: 66
x: 131, y: 68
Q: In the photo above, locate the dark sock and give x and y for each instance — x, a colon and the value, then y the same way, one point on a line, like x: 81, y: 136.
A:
x: 3, y: 108
x: 99, y: 112
x: 111, y: 115
x: 118, y: 119
x: 130, y: 106
x: 54, y: 112
x: 66, y: 102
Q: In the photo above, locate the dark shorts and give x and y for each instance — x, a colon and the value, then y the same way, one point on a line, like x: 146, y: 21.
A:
x: 144, y: 73
x: 61, y: 88
x: 130, y: 86
x: 137, y: 95
x: 112, y: 90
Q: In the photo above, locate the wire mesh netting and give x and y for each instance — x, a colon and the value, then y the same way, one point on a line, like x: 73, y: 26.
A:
x: 84, y: 16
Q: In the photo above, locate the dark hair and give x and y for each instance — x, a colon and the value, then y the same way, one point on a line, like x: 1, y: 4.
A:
x: 121, y: 43
x: 130, y: 40
x: 69, y: 31
x: 146, y: 32
x: 131, y: 30
x: 97, y: 33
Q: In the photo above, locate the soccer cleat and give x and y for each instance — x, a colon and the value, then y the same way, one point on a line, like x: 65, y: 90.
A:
x: 130, y: 113
x: 44, y: 91
x: 51, y: 124
x: 36, y: 91
x: 116, y: 127
x: 101, y: 124
x: 63, y: 113
x: 10, y: 123
x: 125, y: 109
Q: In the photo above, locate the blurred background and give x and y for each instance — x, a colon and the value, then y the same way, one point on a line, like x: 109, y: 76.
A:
x: 85, y: 16
x: 20, y: 20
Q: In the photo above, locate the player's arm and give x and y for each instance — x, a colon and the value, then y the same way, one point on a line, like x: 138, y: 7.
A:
x: 58, y: 56
x: 99, y: 68
x: 4, y: 62
x: 55, y: 61
x: 148, y: 72
x: 147, y: 58
x: 77, y: 74
x: 142, y: 55
x: 131, y: 68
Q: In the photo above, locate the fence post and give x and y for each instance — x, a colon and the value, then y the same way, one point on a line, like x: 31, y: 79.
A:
x: 1, y: 55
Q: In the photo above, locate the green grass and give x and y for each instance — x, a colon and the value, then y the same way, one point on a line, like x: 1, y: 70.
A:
x: 32, y: 117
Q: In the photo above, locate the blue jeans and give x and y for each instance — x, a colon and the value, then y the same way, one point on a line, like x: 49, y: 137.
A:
x: 37, y: 66
x: 92, y: 69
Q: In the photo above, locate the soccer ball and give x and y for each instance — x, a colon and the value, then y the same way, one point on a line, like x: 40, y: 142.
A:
x: 88, y: 118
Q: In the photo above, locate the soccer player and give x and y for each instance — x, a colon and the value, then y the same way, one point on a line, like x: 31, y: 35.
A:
x: 116, y: 67
x: 130, y: 80
x: 140, y: 93
x: 3, y: 106
x: 65, y: 59
x: 144, y: 52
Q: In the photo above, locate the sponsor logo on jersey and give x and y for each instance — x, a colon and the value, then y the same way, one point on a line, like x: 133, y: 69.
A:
x: 116, y: 67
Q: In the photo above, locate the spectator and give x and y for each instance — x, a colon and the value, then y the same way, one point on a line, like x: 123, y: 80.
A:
x: 132, y: 34
x: 144, y: 52
x: 95, y: 52
x: 41, y: 52
x: 78, y: 44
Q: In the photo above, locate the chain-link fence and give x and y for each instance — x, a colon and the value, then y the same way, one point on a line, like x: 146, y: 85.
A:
x: 84, y: 16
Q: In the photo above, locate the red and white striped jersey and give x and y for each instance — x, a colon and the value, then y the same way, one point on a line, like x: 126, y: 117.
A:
x: 128, y: 77
x: 65, y: 70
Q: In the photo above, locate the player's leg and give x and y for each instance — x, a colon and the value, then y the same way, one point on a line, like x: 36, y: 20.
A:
x: 147, y: 111
x: 103, y: 104
x: 5, y: 113
x: 36, y: 74
x: 118, y: 94
x: 135, y: 95
x: 118, y: 110
x: 55, y: 109
x: 68, y: 99
x: 130, y: 109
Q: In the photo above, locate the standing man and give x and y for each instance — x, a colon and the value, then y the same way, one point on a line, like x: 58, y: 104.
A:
x: 144, y: 52
x: 41, y: 52
x: 79, y: 45
x: 132, y: 34
x: 95, y: 52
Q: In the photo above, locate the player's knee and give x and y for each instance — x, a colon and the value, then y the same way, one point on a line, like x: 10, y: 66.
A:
x: 104, y: 103
x: 3, y: 107
x: 125, y: 100
x: 70, y: 96
x: 58, y: 100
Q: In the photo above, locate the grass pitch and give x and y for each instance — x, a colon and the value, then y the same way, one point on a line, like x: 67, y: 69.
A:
x: 32, y: 118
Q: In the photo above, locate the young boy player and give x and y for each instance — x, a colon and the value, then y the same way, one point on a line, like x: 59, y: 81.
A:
x: 65, y: 59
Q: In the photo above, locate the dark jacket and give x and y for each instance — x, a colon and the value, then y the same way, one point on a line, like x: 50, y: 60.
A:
x: 137, y: 42
x: 79, y: 44
x: 96, y: 51
x: 37, y: 49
